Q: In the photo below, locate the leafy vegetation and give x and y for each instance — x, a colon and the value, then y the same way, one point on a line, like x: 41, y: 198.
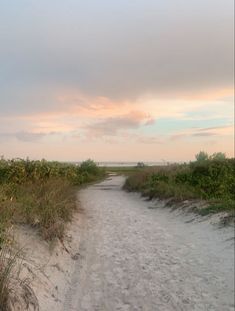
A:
x: 211, y: 178
x: 41, y: 193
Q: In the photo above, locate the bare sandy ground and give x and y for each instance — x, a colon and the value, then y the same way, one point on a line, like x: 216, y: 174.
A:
x: 123, y: 254
x: 47, y: 270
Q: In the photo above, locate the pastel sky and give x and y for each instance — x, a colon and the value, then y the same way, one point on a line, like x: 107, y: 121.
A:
x: 126, y: 80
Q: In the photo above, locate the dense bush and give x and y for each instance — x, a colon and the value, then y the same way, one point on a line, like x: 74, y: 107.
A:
x: 210, y: 178
x: 19, y: 171
x: 214, y: 178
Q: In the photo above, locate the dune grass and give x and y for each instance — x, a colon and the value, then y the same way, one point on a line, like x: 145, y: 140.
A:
x: 41, y: 194
x: 46, y: 205
x: 8, y: 259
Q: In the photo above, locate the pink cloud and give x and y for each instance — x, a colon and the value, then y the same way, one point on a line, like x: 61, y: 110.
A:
x: 114, y: 125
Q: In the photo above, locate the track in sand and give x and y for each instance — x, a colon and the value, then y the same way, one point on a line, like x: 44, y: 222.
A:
x: 136, y: 258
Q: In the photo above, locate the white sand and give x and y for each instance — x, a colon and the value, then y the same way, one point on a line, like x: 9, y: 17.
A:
x: 48, y: 269
x: 132, y: 257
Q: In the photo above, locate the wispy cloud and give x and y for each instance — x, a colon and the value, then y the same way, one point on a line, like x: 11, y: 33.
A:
x: 152, y: 140
x: 227, y: 130
x: 26, y: 136
x: 204, y: 134
x: 112, y: 126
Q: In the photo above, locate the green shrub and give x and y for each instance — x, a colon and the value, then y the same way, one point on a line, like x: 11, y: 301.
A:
x: 210, y: 177
x: 89, y: 167
x: 214, y: 178
x: 201, y: 156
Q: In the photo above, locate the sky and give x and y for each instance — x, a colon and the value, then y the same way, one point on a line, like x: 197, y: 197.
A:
x: 127, y: 80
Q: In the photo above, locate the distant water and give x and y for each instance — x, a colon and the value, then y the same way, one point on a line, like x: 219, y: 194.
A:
x: 125, y: 164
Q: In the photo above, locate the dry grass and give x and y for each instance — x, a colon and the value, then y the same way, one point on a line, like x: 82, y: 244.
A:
x: 46, y: 205
x: 8, y: 260
x: 15, y: 294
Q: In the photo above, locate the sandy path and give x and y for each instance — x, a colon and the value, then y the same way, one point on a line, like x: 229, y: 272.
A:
x: 136, y: 258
